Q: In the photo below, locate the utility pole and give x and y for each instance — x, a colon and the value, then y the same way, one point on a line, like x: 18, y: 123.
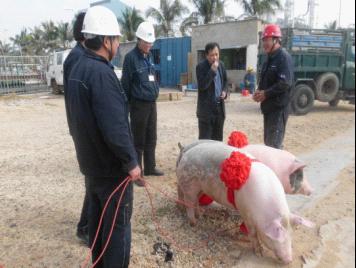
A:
x: 340, y: 8
x: 312, y: 6
x: 289, y: 13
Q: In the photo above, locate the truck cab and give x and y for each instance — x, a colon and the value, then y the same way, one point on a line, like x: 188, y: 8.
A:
x: 54, y: 73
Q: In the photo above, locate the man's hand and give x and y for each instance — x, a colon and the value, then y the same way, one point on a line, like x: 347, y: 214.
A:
x: 223, y: 95
x: 215, y: 66
x: 135, y: 174
x: 259, y: 96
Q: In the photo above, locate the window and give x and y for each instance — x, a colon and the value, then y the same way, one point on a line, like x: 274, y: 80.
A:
x: 59, y: 58
x: 234, y: 59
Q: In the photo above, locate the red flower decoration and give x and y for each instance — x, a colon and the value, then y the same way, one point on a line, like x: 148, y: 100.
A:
x: 236, y: 170
x: 205, y: 200
x: 238, y: 139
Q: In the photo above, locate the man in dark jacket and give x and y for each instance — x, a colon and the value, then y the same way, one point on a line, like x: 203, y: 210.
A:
x: 212, y: 92
x: 98, y: 115
x: 140, y: 83
x: 276, y: 81
x: 71, y: 60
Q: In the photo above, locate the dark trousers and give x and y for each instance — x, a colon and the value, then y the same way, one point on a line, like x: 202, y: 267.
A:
x: 275, y: 124
x: 117, y: 254
x: 143, y: 116
x: 212, y: 128
x: 83, y: 221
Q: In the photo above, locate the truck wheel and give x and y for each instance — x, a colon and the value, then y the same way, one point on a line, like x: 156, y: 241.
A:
x: 327, y: 87
x: 334, y: 103
x: 55, y: 88
x: 303, y: 99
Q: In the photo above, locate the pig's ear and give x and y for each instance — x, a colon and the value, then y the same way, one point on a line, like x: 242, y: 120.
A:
x: 181, y: 147
x: 296, y: 220
x: 298, y: 164
x: 276, y: 231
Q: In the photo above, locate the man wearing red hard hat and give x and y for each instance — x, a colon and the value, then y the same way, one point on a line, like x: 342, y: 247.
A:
x: 275, y: 83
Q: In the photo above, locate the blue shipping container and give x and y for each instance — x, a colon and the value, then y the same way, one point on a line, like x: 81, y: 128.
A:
x: 171, y: 59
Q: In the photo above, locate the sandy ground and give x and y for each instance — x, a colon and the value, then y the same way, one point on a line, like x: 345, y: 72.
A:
x: 41, y: 191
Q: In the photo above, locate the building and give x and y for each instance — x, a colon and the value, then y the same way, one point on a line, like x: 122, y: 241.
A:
x: 115, y: 6
x: 239, y: 46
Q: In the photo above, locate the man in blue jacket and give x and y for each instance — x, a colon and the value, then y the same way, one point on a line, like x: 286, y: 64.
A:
x: 140, y: 83
x: 212, y: 92
x: 98, y: 115
x: 276, y: 81
x: 71, y: 60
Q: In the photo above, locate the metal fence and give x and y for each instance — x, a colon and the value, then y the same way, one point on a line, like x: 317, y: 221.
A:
x: 23, y: 74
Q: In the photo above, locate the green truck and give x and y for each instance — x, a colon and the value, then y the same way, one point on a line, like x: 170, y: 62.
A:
x: 324, y: 66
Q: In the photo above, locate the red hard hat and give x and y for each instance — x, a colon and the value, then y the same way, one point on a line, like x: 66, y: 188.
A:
x: 272, y: 30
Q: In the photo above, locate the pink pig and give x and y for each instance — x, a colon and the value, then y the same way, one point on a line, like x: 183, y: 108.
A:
x: 261, y: 201
x: 286, y: 166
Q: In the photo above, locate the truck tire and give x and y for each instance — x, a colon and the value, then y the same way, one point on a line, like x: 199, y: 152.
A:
x: 302, y: 99
x: 56, y: 90
x: 327, y: 87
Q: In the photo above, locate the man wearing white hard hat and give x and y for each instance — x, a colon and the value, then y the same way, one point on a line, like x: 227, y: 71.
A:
x: 98, y: 114
x: 140, y: 83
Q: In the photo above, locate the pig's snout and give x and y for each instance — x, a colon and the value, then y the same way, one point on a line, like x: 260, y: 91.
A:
x: 286, y: 259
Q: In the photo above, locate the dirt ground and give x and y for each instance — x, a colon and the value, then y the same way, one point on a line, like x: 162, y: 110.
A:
x: 41, y: 191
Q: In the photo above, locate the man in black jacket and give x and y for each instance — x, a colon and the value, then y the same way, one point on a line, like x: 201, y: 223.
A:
x: 276, y: 81
x: 140, y: 84
x: 212, y: 92
x: 98, y: 118
x: 71, y: 60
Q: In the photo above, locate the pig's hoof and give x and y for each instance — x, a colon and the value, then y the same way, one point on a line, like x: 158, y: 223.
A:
x: 258, y: 251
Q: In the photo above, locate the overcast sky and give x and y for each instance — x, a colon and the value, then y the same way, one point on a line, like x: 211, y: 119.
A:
x: 17, y: 14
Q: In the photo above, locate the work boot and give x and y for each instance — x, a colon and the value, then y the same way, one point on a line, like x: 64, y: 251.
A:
x: 155, y: 172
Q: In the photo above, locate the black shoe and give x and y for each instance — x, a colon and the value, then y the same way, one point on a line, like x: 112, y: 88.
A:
x: 156, y: 172
x: 83, y: 235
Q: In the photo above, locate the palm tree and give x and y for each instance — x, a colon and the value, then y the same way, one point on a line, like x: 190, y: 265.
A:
x: 65, y: 34
x: 188, y: 23
x: 168, y: 13
x: 38, y: 44
x: 50, y: 35
x: 131, y: 19
x: 259, y: 8
x: 331, y: 25
x: 23, y: 41
x: 210, y: 10
x: 5, y: 48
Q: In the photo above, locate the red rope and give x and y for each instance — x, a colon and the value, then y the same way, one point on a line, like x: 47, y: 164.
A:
x: 85, y: 263
x: 158, y: 226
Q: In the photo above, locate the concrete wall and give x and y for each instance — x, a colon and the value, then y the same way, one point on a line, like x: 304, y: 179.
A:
x: 228, y: 35
x: 124, y: 49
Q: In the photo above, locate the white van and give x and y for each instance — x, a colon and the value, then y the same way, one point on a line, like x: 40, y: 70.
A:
x: 54, y: 73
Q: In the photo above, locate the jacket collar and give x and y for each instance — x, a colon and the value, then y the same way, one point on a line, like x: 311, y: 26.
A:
x: 90, y: 54
x: 140, y: 54
x: 275, y: 54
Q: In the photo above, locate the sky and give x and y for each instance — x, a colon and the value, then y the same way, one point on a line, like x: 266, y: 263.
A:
x: 18, y: 14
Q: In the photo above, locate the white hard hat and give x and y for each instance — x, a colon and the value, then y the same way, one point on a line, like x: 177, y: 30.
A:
x: 146, y: 32
x: 102, y: 21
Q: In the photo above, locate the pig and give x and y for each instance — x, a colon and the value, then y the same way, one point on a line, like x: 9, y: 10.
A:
x: 261, y: 201
x: 287, y: 167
